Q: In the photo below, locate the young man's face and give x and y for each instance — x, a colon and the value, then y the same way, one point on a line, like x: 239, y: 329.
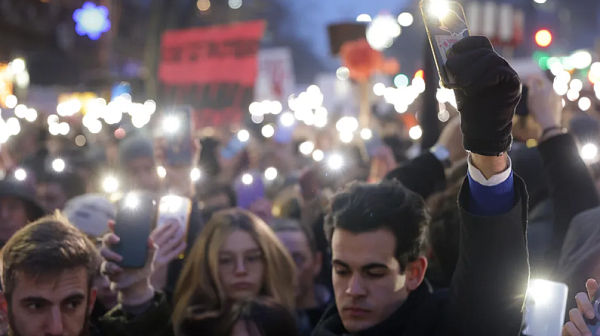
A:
x: 308, y: 264
x: 51, y: 196
x: 13, y: 216
x: 367, y: 282
x: 142, y: 174
x: 54, y: 306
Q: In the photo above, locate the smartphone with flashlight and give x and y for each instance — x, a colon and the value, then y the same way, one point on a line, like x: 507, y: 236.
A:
x: 249, y: 189
x: 446, y: 24
x: 177, y: 208
x: 233, y: 147
x: 135, y: 219
x: 177, y: 129
x: 545, y: 308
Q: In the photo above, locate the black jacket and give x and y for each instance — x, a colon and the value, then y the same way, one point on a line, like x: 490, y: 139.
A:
x: 488, y: 288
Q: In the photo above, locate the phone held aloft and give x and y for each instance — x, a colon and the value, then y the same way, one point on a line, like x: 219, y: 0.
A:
x: 177, y: 128
x: 446, y: 24
x: 137, y: 215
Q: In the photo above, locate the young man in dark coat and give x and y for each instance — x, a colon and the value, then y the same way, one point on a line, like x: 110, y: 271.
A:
x: 377, y: 232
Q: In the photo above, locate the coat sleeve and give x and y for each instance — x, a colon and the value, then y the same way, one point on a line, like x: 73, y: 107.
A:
x: 156, y: 321
x: 488, y: 288
x: 572, y: 188
x: 423, y: 175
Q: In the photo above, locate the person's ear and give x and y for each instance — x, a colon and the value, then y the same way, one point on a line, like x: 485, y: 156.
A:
x: 92, y: 301
x: 415, y: 273
x: 318, y: 263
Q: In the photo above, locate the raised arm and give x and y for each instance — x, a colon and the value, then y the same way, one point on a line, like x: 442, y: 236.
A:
x: 489, y: 284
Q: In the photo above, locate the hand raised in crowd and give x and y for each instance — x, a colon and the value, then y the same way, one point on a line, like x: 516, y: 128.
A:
x: 577, y: 326
x: 544, y: 103
x: 133, y: 285
x: 488, y: 91
x: 173, y: 180
x: 170, y: 240
x: 451, y: 139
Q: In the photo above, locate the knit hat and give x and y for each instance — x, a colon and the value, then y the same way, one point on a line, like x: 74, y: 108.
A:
x: 10, y: 187
x: 90, y: 213
x: 135, y: 147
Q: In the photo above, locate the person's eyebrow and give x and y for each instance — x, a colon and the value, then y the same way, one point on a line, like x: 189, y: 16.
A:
x: 340, y: 263
x: 34, y: 299
x: 371, y: 266
x: 74, y: 297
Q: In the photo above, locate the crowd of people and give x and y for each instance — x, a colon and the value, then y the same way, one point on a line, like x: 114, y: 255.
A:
x: 443, y: 243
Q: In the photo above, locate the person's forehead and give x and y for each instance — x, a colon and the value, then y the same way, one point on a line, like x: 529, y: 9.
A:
x: 363, y: 248
x: 52, y: 288
x: 293, y: 240
x: 239, y: 240
x: 141, y: 162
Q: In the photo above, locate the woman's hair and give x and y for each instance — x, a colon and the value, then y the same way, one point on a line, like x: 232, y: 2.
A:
x: 261, y: 316
x: 199, y: 291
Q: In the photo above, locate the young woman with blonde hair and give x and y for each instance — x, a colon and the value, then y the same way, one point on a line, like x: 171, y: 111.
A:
x: 236, y: 257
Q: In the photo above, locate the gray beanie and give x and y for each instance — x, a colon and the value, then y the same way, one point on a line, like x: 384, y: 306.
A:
x: 135, y: 147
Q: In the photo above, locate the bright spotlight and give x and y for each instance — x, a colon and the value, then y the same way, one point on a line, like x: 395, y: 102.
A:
x: 132, y: 201
x: 589, y: 151
x: 415, y: 132
x: 161, y: 171
x: 366, y: 134
x: 243, y: 135
x: 195, y: 174
x: 247, y: 179
x: 306, y: 147
x: 318, y: 155
x: 58, y: 165
x: 171, y: 124
x: 110, y: 184
x: 268, y: 131
x: 271, y: 173
x: 20, y: 174
x: 335, y: 162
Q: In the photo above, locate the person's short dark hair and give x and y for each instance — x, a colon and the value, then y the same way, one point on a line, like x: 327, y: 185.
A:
x: 262, y: 317
x: 291, y: 225
x: 363, y: 207
x: 71, y: 183
x: 219, y: 188
x: 44, y: 249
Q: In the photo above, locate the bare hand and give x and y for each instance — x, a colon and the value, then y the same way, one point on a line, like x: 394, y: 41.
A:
x: 170, y: 240
x: 133, y: 285
x: 543, y: 102
x: 577, y: 326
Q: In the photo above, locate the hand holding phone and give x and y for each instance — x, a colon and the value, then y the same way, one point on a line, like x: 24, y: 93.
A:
x: 135, y: 219
x: 586, y: 317
x: 446, y: 24
x: 172, y: 226
x: 176, y: 129
x: 131, y: 283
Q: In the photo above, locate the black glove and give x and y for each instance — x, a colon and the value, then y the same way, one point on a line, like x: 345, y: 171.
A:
x: 488, y: 92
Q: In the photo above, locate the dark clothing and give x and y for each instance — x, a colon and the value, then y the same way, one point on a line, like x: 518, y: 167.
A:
x: 488, y: 287
x: 156, y: 321
x: 426, y: 166
x: 307, y: 319
x: 572, y: 188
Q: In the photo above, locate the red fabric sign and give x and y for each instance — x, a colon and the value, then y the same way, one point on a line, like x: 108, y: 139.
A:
x: 213, y: 69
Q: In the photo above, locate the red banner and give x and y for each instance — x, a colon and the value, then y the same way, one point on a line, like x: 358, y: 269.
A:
x: 213, y: 69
